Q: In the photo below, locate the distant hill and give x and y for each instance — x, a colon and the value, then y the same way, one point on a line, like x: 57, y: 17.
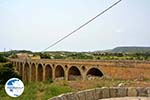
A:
x: 14, y: 52
x: 131, y: 49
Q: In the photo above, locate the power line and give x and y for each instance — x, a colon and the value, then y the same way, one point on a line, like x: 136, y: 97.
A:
x: 81, y: 26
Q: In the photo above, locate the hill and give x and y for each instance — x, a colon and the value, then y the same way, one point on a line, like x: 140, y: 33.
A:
x: 131, y: 50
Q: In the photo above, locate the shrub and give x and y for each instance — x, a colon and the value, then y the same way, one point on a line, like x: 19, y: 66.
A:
x: 2, y: 58
x: 7, y: 72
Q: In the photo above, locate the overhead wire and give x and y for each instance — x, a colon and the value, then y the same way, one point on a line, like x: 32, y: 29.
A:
x: 81, y: 26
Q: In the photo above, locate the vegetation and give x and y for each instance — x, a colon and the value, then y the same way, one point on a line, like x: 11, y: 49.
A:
x: 95, y: 55
x: 37, y: 91
x: 122, y: 56
x: 14, y: 52
x: 131, y: 49
x: 7, y: 72
x: 118, y: 53
x: 2, y: 58
x: 65, y: 55
x: 45, y: 90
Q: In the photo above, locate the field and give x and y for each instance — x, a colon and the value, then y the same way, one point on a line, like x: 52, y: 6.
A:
x: 45, y: 90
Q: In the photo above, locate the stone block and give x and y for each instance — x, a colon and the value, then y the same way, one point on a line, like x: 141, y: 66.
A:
x: 71, y: 96
x: 81, y: 95
x: 142, y: 92
x: 90, y: 94
x: 59, y: 98
x: 64, y: 96
x: 98, y: 93
x: 148, y: 92
x: 121, y: 92
x: 113, y: 92
x: 76, y: 96
x: 132, y: 92
x: 54, y: 98
x: 105, y: 92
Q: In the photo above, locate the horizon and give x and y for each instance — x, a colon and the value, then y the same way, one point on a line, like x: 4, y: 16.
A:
x: 34, y: 25
x: 84, y: 51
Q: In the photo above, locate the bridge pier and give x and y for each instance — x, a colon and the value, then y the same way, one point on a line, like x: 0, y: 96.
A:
x: 30, y: 73
x: 66, y: 75
x: 43, y: 72
x: 36, y: 73
x: 53, y: 74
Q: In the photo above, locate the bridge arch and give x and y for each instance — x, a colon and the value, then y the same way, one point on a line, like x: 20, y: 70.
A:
x: 33, y: 72
x: 74, y: 73
x: 40, y: 72
x: 59, y: 72
x: 94, y: 72
x: 26, y: 72
x: 48, y: 72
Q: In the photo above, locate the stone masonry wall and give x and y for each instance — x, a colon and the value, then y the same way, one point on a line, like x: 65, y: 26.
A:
x: 101, y: 93
x: 35, y: 69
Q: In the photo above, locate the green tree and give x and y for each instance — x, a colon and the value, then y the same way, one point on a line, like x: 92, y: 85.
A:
x: 2, y: 58
x: 7, y: 72
x: 44, y: 55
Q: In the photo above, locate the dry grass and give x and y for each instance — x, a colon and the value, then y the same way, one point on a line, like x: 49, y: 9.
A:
x: 124, y: 73
x: 82, y: 85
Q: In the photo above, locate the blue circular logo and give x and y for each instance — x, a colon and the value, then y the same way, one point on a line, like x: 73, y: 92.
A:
x: 14, y: 87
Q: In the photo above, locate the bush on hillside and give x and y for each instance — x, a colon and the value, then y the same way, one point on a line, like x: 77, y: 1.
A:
x: 7, y: 72
x: 2, y: 58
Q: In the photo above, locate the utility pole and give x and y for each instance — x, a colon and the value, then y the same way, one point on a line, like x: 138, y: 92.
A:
x: 4, y: 51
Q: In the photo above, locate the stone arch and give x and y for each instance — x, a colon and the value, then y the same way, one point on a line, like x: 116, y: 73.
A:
x: 74, y: 73
x: 94, y: 72
x: 26, y: 72
x: 33, y: 72
x: 48, y: 72
x: 59, y: 72
x: 40, y: 72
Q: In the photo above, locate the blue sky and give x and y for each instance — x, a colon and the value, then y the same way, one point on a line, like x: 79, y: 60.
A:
x: 35, y: 24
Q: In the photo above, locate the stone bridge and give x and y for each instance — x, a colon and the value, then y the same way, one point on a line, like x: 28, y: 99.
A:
x: 45, y: 69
